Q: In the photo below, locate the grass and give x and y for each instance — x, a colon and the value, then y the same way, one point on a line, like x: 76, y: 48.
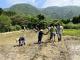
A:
x: 72, y: 32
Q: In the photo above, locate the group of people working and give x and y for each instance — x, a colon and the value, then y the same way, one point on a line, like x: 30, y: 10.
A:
x: 53, y: 30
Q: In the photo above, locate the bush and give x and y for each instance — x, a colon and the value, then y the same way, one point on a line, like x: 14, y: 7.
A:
x: 72, y: 26
x: 76, y: 20
x: 5, y: 20
x: 43, y: 24
x: 18, y: 20
x: 5, y: 29
x: 12, y: 28
x: 18, y: 27
x: 5, y: 23
x: 66, y: 21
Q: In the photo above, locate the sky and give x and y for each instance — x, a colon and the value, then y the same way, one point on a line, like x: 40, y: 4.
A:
x: 40, y: 3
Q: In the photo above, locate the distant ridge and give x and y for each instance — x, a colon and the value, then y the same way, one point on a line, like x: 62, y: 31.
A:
x: 26, y: 9
x: 50, y: 12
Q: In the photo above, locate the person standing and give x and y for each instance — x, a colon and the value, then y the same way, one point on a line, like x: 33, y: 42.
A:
x: 49, y: 27
x: 40, y: 35
x: 52, y: 33
x: 59, y: 31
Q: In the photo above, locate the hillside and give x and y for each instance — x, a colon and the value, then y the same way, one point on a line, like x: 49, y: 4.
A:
x: 24, y: 9
x: 62, y: 12
x: 50, y: 12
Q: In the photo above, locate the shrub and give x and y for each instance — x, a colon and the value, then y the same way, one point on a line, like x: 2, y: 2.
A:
x: 12, y: 28
x: 5, y: 23
x: 72, y: 26
x: 18, y: 27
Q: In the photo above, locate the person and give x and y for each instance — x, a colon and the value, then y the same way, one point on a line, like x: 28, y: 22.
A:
x: 49, y: 27
x: 40, y: 35
x: 59, y: 30
x: 21, y: 41
x: 52, y: 33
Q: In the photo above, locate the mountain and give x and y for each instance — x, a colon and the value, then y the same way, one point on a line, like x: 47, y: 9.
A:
x: 50, y: 12
x: 26, y: 9
x: 62, y: 12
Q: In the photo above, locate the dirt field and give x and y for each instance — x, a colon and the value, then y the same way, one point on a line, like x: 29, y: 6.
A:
x: 67, y: 49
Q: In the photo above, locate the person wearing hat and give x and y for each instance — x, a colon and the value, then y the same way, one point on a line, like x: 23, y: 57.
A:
x: 40, y: 35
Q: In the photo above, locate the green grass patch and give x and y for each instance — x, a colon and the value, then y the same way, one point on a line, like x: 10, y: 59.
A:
x: 72, y: 32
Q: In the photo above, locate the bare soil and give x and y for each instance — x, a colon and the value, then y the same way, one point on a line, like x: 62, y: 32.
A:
x: 67, y: 49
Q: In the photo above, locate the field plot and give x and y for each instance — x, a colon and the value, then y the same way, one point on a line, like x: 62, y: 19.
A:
x: 32, y: 51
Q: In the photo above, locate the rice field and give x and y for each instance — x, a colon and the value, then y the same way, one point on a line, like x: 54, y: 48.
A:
x: 31, y: 51
x: 72, y: 32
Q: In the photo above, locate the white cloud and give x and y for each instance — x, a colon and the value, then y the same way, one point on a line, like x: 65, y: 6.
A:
x: 76, y: 2
x: 12, y: 2
x: 44, y: 3
x: 61, y: 3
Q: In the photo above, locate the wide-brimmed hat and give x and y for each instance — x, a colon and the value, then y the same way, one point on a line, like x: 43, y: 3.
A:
x: 41, y: 30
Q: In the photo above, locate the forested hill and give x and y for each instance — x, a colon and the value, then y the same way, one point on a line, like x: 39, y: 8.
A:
x: 51, y: 12
x: 26, y: 9
x: 62, y: 12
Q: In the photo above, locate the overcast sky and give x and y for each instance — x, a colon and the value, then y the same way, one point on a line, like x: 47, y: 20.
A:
x: 40, y: 3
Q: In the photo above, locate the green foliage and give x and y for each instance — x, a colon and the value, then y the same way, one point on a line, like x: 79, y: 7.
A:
x: 18, y: 27
x: 40, y: 17
x: 31, y: 21
x: 14, y: 28
x: 24, y: 9
x: 5, y: 22
x: 25, y: 15
x: 66, y: 12
x: 43, y: 24
x: 76, y: 20
x: 72, y: 32
x: 65, y: 21
x: 18, y: 20
x: 54, y: 12
x: 9, y: 13
x: 72, y: 26
x: 1, y: 11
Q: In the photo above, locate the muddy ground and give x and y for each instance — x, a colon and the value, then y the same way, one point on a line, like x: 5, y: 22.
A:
x: 67, y: 49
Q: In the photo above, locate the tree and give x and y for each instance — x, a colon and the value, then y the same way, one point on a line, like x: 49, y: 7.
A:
x: 76, y: 20
x: 1, y: 11
x: 9, y: 13
x: 65, y: 21
x: 40, y: 17
x: 5, y: 23
x: 18, y: 20
x: 79, y: 19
